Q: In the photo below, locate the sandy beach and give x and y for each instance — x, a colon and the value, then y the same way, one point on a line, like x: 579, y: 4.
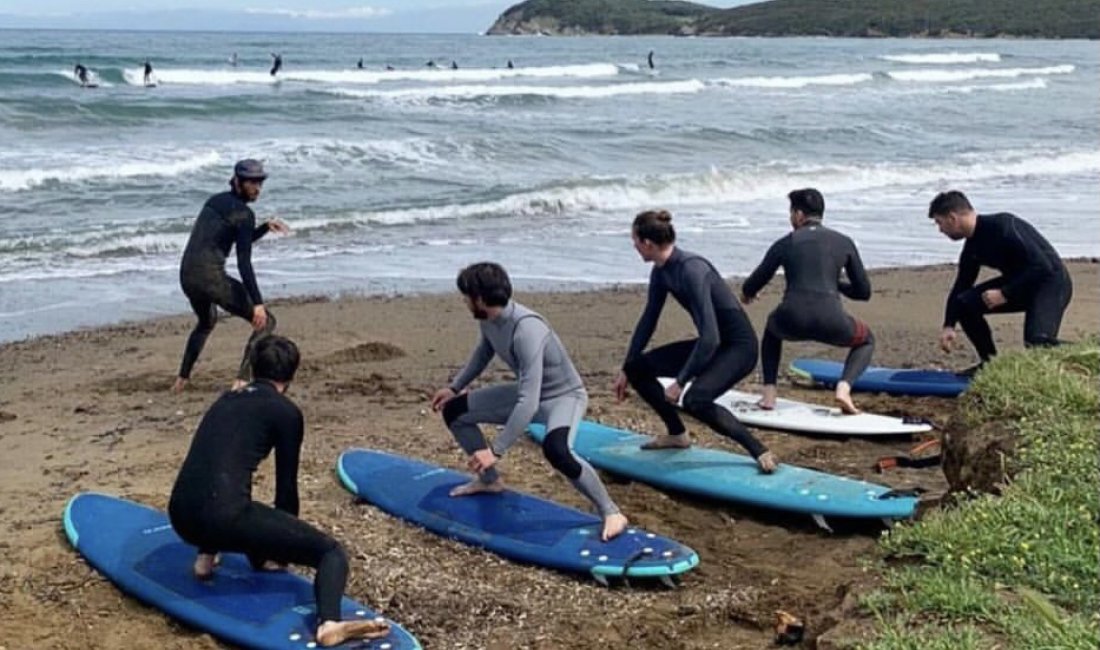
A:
x: 91, y: 410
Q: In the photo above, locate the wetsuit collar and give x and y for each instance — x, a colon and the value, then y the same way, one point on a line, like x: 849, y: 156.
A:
x: 673, y: 257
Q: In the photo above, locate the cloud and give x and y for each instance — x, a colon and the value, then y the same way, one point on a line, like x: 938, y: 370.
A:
x: 316, y: 14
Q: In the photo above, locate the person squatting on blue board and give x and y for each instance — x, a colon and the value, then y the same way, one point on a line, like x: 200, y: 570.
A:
x: 723, y: 354
x: 211, y: 506
x: 547, y: 390
x: 812, y: 257
x: 1033, y: 278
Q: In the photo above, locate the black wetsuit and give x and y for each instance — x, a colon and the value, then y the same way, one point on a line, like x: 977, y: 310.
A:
x: 724, y: 353
x: 81, y: 74
x: 1033, y: 280
x: 650, y: 60
x: 211, y: 506
x: 812, y: 258
x: 225, y: 221
x: 277, y: 64
x: 148, y: 72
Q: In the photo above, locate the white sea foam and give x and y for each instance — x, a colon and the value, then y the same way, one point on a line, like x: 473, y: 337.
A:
x: 470, y: 92
x: 936, y: 75
x: 794, y: 82
x: 944, y: 58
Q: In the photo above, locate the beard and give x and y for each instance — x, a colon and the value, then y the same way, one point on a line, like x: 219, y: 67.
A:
x: 480, y: 314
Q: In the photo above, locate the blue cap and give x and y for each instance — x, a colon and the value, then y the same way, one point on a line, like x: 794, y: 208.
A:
x: 249, y: 169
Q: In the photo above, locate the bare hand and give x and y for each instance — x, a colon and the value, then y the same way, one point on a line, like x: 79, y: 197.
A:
x: 277, y: 226
x: 481, y: 460
x: 947, y: 337
x: 441, y: 397
x: 259, y: 317
x: 993, y: 298
x: 672, y: 393
x: 620, y: 386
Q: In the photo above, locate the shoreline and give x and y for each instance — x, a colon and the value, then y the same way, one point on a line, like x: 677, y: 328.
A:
x: 351, y: 295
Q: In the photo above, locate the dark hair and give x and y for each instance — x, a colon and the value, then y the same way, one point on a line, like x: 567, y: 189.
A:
x: 274, y: 358
x: 486, y: 280
x: 808, y: 201
x: 656, y: 226
x: 947, y: 203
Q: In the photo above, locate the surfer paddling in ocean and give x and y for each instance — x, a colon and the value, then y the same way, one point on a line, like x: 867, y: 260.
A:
x: 723, y: 354
x: 224, y: 222
x: 211, y: 506
x: 812, y: 257
x: 547, y: 390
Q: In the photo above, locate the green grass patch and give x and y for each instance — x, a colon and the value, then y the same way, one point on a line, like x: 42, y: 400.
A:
x: 1018, y: 570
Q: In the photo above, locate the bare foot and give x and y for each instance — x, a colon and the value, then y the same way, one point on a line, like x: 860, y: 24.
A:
x: 476, y: 487
x: 681, y: 441
x: 844, y: 398
x: 767, y: 462
x: 332, y: 633
x: 613, y: 526
x: 238, y: 384
x: 767, y: 402
x: 180, y: 384
x: 204, y: 565
x: 272, y: 566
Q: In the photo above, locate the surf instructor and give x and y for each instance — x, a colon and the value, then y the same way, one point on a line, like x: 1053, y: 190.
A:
x: 211, y: 506
x: 224, y: 222
x: 723, y: 354
x: 547, y: 390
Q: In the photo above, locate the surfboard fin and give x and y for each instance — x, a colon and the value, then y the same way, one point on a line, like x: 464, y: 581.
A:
x: 820, y: 521
x: 602, y: 579
x: 668, y: 582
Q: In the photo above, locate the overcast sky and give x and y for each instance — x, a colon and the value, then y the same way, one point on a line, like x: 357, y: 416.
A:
x: 410, y: 16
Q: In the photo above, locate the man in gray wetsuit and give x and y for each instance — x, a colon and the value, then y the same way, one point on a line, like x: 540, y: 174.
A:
x: 548, y: 390
x: 812, y: 257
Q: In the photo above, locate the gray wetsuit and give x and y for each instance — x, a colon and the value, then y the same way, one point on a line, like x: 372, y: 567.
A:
x: 547, y: 390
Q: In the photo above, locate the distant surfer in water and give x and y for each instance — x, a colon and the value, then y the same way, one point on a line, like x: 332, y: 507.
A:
x: 547, y: 390
x: 430, y: 63
x: 812, y: 257
x: 276, y: 63
x: 723, y: 354
x: 148, y: 73
x: 454, y: 65
x: 224, y: 222
x: 649, y: 58
x: 233, y: 60
x: 81, y: 74
x: 359, y: 63
x: 510, y: 66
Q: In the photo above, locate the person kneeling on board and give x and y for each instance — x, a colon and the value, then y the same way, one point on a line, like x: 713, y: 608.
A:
x: 547, y: 390
x: 211, y: 506
x: 723, y: 354
x: 812, y: 257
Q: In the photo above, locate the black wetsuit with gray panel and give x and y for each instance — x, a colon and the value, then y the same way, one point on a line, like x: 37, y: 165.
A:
x: 813, y: 258
x: 548, y: 390
x: 224, y: 222
x: 724, y: 353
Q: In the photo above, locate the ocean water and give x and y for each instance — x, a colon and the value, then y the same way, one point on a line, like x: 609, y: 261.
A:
x: 393, y: 180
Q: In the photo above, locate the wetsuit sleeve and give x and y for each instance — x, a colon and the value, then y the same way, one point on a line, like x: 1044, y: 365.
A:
x: 529, y: 346
x: 643, y: 331
x: 767, y: 268
x: 858, y: 285
x: 965, y: 277
x: 244, y: 260
x: 480, y: 358
x: 288, y: 446
x: 702, y: 314
x: 1038, y: 268
x: 260, y: 231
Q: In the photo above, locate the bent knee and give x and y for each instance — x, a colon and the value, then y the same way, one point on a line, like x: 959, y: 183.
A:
x: 555, y: 446
x: 455, y: 408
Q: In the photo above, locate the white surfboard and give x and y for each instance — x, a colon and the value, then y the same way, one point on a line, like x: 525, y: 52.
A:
x: 802, y: 417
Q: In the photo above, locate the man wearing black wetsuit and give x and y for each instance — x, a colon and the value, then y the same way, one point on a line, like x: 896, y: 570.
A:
x: 148, y: 72
x: 812, y: 257
x: 225, y: 221
x: 1033, y: 278
x: 723, y: 354
x: 211, y: 506
x: 81, y: 74
x: 276, y: 63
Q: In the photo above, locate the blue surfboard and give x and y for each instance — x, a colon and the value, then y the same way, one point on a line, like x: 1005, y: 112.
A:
x: 136, y: 548
x: 512, y: 524
x: 892, y: 381
x: 733, y: 477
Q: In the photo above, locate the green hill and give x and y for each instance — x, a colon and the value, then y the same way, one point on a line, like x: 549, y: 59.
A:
x: 930, y: 18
